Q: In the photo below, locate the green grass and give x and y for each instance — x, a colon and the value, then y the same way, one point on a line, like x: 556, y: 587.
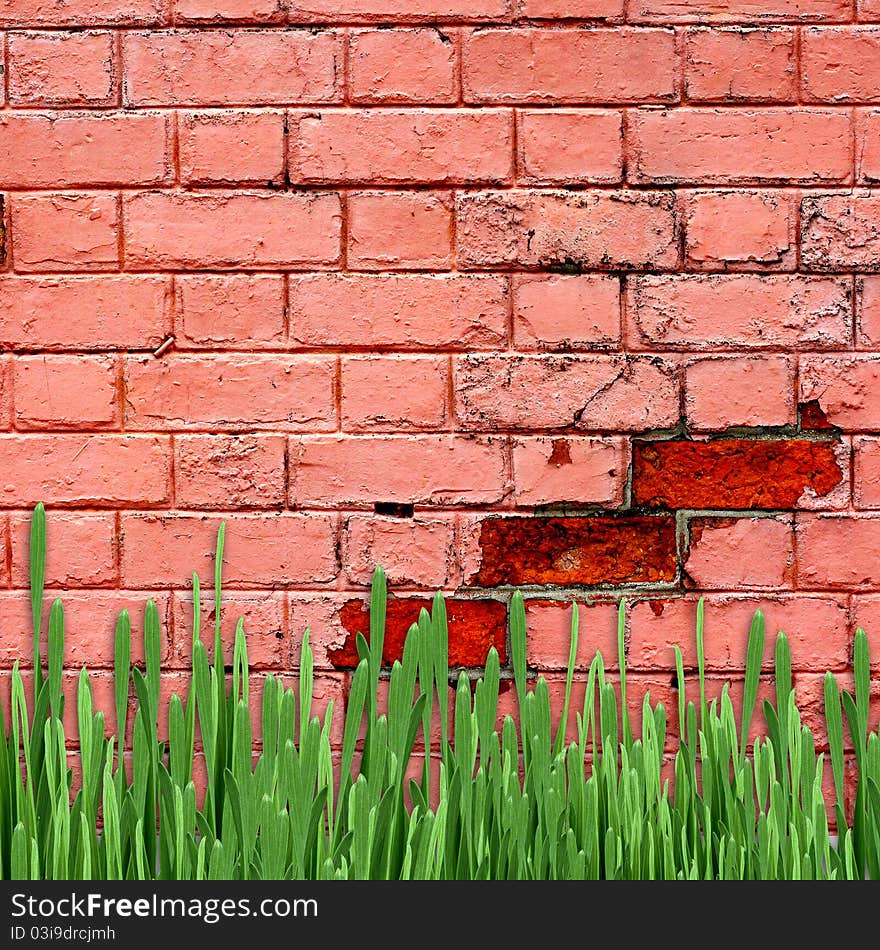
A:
x: 519, y: 803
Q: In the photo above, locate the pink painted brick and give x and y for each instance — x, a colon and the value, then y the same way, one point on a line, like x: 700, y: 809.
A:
x: 720, y: 392
x: 840, y: 231
x: 402, y: 65
x: 394, y: 393
x: 868, y: 312
x: 846, y: 388
x: 261, y: 550
x: 839, y: 64
x: 326, y: 471
x: 866, y: 614
x: 6, y: 380
x: 414, y: 552
x: 741, y: 230
x: 84, y: 469
x: 838, y: 552
x: 868, y: 146
x: 18, y: 13
x: 229, y: 471
x: 66, y: 392
x: 738, y: 11
x: 561, y: 392
x: 740, y: 553
x: 577, y: 469
x: 565, y: 311
x: 400, y: 230
x: 399, y: 310
x: 247, y: 11
x: 866, y: 462
x: 80, y: 549
x: 549, y: 634
x: 230, y: 391
x: 231, y: 147
x: 65, y: 232
x: 62, y: 69
x: 219, y: 311
x: 573, y: 9
x: 570, y: 147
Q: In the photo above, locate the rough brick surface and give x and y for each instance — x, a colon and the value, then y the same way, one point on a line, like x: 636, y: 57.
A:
x: 580, y: 295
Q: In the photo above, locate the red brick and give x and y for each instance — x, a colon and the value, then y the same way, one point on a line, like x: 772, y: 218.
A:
x: 65, y: 232
x: 392, y: 146
x: 69, y: 149
x: 265, y: 626
x: 221, y: 148
x: 401, y: 230
x: 732, y: 473
x: 738, y: 11
x: 868, y: 147
x: 474, y: 627
x: 417, y: 552
x: 230, y: 230
x: 402, y: 65
x: 730, y: 65
x: 327, y: 471
x: 398, y: 310
x: 236, y: 471
x: 231, y: 67
x: 840, y: 64
x: 89, y: 625
x: 80, y: 549
x: 565, y: 312
x: 548, y: 623
x: 741, y: 310
x: 563, y: 392
x: 841, y: 232
x: 261, y: 549
x: 846, y: 388
x: 107, y: 312
x: 740, y: 146
x: 66, y: 392
x: 84, y: 469
x: 866, y: 466
x: 62, y: 69
x: 740, y: 553
x: 570, y: 147
x: 241, y: 391
x: 246, y: 11
x: 235, y: 310
x: 866, y: 614
x: 583, y: 470
x: 533, y: 65
x: 595, y: 230
x: 18, y: 13
x: 394, y: 393
x: 743, y: 230
x: 589, y: 551
x: 816, y: 628
x: 721, y: 392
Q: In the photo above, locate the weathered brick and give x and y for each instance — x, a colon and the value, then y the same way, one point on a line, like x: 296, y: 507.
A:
x: 809, y: 146
x: 230, y: 230
x: 107, y: 312
x: 866, y: 471
x: 234, y: 391
x: 399, y: 310
x: 62, y: 69
x: 585, y: 551
x: 741, y: 65
x: 565, y: 392
x: 84, y: 469
x: 474, y: 627
x: 740, y: 311
x: 66, y: 392
x: 65, y: 232
x: 583, y: 470
x: 839, y: 64
x: 219, y: 311
x: 231, y: 147
x: 846, y: 388
x: 247, y: 11
x: 868, y: 146
x: 394, y: 393
x: 385, y: 11
x: 6, y: 378
x: 394, y: 146
x: 234, y: 471
x: 326, y: 471
x: 548, y: 642
x: 738, y: 11
x: 534, y: 65
x: 732, y: 473
x: 593, y: 230
x: 740, y: 553
x: 400, y: 230
x: 231, y: 67
x: 80, y: 549
x: 23, y: 13
x: 565, y: 312
x: 570, y: 147
x: 720, y: 392
x: 403, y: 65
x: 841, y: 232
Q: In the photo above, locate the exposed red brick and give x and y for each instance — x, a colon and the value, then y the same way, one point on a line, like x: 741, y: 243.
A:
x: 813, y: 415
x: 587, y: 551
x: 732, y: 473
x: 474, y: 627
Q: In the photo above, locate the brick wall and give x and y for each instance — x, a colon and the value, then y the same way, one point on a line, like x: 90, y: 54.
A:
x: 571, y: 295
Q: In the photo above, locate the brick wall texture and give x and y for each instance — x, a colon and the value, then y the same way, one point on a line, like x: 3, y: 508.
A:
x: 575, y: 296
